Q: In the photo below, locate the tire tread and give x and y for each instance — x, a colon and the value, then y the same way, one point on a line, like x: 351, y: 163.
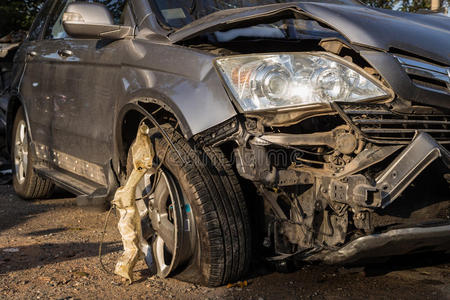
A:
x: 222, y: 208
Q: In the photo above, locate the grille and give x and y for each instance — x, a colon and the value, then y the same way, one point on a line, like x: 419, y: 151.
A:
x: 426, y: 75
x: 378, y: 122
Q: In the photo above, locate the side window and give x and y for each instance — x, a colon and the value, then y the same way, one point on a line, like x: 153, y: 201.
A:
x: 39, y: 22
x: 115, y: 7
x: 55, y: 29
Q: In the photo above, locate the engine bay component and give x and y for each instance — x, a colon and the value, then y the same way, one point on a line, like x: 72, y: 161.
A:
x: 340, y: 194
x: 340, y: 139
x: 357, y: 191
x: 135, y: 246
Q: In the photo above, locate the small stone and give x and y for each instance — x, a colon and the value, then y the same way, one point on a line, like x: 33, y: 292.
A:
x: 11, y: 250
x: 81, y: 274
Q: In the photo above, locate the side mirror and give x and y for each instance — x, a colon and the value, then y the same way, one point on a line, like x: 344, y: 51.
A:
x: 92, y: 20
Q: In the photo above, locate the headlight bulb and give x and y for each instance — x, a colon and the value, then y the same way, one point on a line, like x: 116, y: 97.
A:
x: 272, y: 82
x: 330, y: 84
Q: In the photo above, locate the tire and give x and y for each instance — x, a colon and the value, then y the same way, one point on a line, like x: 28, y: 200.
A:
x: 208, y: 184
x: 27, y: 184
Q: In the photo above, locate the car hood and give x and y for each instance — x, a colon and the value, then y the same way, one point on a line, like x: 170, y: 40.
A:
x: 424, y: 35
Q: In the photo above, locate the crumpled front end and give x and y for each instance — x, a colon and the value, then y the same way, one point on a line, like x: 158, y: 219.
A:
x: 347, y: 182
x: 341, y: 187
x: 347, y: 146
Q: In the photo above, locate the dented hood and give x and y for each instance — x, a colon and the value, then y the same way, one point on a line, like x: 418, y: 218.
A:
x: 424, y: 35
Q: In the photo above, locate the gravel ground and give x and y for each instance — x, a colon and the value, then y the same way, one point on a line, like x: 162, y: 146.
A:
x: 49, y: 250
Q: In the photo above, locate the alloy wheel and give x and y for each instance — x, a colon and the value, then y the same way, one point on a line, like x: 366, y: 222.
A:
x: 173, y: 228
x: 21, y: 152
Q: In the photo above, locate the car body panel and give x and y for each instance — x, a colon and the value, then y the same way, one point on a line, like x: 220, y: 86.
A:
x: 78, y: 121
x: 387, y: 29
x: 67, y: 119
x: 83, y: 116
x: 184, y: 79
x: 32, y: 87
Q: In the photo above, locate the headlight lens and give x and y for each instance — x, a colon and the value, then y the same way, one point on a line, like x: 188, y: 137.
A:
x: 269, y: 81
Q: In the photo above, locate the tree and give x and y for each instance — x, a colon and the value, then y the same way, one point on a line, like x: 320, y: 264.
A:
x: 404, y: 5
x: 17, y: 14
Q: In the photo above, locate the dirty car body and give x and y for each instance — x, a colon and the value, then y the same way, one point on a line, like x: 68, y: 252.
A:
x: 327, y: 110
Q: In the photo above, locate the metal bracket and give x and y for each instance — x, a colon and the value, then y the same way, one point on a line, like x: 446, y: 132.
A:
x: 388, y: 186
x: 408, y: 165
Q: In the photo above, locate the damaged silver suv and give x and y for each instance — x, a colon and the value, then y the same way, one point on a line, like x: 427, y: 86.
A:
x: 290, y: 128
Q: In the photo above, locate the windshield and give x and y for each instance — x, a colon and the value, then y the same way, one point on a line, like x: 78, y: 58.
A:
x: 178, y: 13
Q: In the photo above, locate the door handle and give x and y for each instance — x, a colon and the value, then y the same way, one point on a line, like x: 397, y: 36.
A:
x: 32, y: 54
x: 65, y: 53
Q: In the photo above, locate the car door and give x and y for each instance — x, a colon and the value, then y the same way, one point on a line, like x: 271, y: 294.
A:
x: 82, y: 75
x: 31, y: 81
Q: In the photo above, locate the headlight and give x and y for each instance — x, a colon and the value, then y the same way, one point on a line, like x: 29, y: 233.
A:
x: 267, y: 81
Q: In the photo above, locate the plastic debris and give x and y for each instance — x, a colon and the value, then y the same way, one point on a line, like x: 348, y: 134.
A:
x: 240, y: 284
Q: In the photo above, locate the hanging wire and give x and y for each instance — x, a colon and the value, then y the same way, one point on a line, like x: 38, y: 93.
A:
x: 100, y: 255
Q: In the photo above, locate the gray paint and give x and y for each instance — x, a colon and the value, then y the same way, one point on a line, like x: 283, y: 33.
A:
x: 184, y: 78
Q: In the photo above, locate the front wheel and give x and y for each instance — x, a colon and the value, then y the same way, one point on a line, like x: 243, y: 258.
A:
x: 195, y: 216
x: 27, y: 184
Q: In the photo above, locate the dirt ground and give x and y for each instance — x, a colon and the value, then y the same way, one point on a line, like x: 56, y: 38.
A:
x: 49, y: 250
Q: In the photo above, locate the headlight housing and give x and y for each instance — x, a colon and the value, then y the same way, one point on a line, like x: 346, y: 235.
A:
x: 270, y: 81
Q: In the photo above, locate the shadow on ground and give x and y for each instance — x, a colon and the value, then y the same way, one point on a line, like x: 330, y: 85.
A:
x: 407, y: 262
x: 28, y: 257
x: 15, y: 211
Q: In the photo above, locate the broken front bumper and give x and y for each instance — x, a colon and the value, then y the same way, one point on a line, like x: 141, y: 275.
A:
x: 389, y: 185
x: 315, y: 205
x: 393, y: 242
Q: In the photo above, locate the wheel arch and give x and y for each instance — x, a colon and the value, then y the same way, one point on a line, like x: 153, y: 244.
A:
x: 14, y: 104
x: 128, y: 121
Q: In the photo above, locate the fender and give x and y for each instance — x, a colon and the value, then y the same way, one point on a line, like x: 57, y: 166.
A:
x: 119, y: 155
x: 14, y: 102
x: 186, y: 82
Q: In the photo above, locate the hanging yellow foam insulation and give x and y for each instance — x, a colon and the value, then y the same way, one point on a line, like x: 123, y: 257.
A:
x: 135, y: 246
